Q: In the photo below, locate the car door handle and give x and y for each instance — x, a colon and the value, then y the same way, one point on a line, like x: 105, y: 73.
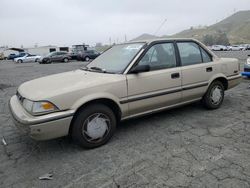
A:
x: 175, y: 75
x: 209, y: 69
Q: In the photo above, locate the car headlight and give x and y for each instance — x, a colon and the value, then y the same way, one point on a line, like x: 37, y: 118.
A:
x: 248, y: 61
x: 39, y: 108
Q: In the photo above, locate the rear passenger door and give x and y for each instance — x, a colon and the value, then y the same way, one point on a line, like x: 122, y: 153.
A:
x: 197, y: 69
x: 54, y: 57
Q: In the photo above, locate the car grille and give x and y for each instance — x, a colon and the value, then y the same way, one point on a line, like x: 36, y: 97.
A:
x: 246, y: 69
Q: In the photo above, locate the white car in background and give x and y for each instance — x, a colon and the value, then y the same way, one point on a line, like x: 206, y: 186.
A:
x: 27, y: 58
x: 236, y: 48
x: 219, y: 48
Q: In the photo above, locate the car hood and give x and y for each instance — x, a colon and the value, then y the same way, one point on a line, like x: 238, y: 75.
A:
x: 55, y: 85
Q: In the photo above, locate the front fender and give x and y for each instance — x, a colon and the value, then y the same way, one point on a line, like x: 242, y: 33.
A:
x: 103, y: 95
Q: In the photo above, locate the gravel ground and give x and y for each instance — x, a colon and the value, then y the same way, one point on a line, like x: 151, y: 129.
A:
x: 184, y: 147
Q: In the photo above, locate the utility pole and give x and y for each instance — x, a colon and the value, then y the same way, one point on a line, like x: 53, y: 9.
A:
x: 110, y: 41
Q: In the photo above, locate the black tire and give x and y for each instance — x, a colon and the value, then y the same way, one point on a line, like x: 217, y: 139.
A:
x: 210, y: 99
x: 81, y: 123
x: 19, y: 61
x: 66, y: 60
x: 36, y: 60
x: 48, y: 61
x: 87, y: 58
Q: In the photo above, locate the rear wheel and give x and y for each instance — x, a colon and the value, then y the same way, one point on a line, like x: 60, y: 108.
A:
x: 93, y: 126
x: 214, y: 95
x: 87, y: 58
x: 65, y: 60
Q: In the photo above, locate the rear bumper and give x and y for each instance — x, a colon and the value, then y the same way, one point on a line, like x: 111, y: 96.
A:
x: 43, y: 127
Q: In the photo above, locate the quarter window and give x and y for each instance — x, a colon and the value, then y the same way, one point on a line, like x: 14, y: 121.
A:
x: 160, y: 56
x: 205, y: 56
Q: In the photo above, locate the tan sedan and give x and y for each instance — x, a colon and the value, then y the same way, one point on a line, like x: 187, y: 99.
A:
x: 126, y: 81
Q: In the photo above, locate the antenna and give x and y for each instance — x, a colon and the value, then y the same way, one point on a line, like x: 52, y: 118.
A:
x: 160, y: 26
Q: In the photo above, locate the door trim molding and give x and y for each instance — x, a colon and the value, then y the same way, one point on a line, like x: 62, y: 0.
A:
x: 158, y: 93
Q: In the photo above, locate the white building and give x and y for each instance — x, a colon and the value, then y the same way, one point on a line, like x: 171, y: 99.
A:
x: 43, y: 50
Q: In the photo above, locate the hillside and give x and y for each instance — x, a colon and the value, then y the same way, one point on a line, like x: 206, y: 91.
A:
x: 237, y: 28
x: 144, y: 36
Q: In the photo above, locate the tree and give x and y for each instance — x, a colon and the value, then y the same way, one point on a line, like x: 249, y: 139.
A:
x: 217, y: 38
x: 221, y: 38
x: 208, y: 40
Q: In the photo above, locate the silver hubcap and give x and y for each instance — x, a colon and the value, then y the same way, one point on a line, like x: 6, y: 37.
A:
x: 87, y: 59
x: 216, y: 95
x: 96, y: 127
x: 65, y: 60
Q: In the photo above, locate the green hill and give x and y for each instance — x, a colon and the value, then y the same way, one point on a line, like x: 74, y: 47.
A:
x: 237, y: 28
x: 144, y: 36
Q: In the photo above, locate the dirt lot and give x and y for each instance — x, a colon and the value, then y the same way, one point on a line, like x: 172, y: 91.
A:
x: 184, y: 147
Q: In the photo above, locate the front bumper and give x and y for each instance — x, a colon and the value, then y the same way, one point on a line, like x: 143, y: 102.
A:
x: 43, y: 127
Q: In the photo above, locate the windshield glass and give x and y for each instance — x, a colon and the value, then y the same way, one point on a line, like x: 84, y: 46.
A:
x: 117, y: 58
x: 49, y: 54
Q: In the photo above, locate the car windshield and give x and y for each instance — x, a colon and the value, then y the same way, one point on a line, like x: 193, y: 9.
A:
x: 116, y: 59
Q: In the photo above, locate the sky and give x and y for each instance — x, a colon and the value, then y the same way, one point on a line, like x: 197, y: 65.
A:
x: 66, y: 22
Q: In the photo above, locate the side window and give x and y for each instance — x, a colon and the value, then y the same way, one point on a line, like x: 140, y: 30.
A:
x: 190, y: 53
x: 205, y: 56
x: 160, y: 56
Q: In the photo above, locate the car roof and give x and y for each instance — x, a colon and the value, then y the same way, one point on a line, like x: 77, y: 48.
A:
x: 148, y: 41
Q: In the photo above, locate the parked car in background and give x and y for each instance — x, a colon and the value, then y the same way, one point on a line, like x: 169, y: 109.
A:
x: 126, y: 81
x: 55, y: 57
x: 73, y: 55
x: 87, y: 55
x: 2, y: 56
x: 247, y: 68
x: 219, y: 48
x: 235, y: 48
x: 247, y: 47
x: 13, y: 56
x: 27, y: 58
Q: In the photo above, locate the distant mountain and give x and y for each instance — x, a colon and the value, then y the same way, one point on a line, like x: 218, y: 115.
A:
x: 237, y: 28
x: 144, y: 36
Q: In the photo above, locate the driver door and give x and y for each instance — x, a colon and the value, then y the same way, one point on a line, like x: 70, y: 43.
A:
x: 160, y: 86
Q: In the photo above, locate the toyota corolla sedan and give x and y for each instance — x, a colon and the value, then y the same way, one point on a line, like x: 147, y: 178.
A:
x: 126, y: 81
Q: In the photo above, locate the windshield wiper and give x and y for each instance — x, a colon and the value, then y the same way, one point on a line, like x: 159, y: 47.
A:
x: 84, y: 68
x: 98, y: 69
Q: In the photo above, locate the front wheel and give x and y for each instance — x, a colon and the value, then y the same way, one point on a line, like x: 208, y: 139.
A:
x: 19, y: 61
x: 93, y: 126
x: 214, y: 95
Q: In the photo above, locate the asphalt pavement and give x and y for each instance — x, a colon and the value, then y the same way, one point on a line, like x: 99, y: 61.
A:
x: 184, y: 147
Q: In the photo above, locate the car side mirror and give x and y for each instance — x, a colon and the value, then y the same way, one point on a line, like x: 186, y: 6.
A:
x: 140, y: 68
